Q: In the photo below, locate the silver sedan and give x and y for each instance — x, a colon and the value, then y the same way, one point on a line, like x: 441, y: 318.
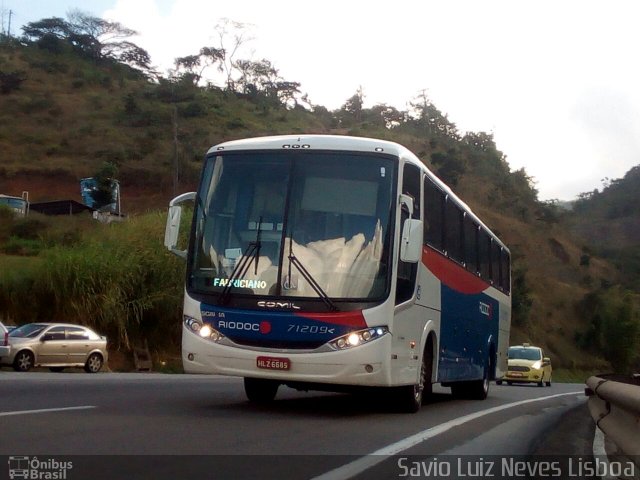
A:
x: 57, y: 346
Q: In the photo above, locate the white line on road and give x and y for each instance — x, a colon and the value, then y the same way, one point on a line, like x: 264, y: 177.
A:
x: 600, y: 452
x: 45, y: 410
x: 364, y: 463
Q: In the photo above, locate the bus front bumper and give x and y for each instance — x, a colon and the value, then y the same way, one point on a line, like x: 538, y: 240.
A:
x: 362, y: 365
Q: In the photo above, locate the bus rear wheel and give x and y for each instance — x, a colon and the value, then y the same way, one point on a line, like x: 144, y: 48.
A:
x: 473, y: 390
x: 479, y: 390
x: 260, y: 390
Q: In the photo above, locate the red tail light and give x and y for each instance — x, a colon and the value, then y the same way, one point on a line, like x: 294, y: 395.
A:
x: 6, y: 338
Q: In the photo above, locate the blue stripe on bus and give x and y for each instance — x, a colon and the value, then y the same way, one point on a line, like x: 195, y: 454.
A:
x: 271, y: 326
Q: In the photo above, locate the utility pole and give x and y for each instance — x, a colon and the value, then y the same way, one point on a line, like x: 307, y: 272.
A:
x: 9, y: 29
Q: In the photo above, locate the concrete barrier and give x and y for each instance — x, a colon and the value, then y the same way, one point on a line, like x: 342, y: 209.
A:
x: 614, y: 404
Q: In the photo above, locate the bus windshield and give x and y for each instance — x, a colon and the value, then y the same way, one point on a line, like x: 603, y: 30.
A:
x: 293, y: 224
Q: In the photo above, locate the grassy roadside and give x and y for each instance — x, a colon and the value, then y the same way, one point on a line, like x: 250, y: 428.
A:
x: 564, y: 375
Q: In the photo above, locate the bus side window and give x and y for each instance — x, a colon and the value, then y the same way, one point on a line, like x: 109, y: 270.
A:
x: 471, y: 245
x: 453, y: 231
x: 485, y: 254
x: 505, y: 270
x: 433, y: 215
x: 411, y: 187
x: 407, y: 271
x: 495, y: 263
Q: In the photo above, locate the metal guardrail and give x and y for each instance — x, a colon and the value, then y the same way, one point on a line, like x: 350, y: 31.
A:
x: 614, y: 404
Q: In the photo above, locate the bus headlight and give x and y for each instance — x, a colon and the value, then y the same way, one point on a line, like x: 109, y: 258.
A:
x: 356, y: 338
x: 203, y: 330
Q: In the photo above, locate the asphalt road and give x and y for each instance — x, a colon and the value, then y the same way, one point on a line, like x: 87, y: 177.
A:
x: 138, y: 423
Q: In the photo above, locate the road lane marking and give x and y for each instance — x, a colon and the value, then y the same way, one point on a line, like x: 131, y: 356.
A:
x: 45, y: 410
x: 364, y: 463
x: 600, y: 452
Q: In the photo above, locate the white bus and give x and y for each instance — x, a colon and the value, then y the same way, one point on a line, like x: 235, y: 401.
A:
x: 326, y: 262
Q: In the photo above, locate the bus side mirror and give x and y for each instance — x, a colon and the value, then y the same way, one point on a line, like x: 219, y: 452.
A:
x: 173, y: 223
x: 411, y: 243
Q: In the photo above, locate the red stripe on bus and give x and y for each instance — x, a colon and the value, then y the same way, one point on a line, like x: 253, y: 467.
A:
x: 451, y: 274
x: 348, y: 319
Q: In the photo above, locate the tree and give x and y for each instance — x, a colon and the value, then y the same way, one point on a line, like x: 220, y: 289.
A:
x: 451, y: 166
x: 287, y: 93
x: 256, y: 76
x: 525, y: 185
x: 94, y: 37
x: 550, y: 211
x: 521, y: 301
x: 622, y: 335
x: 105, y: 177
x: 432, y: 121
x: 53, y: 26
x: 613, y: 326
x: 484, y: 157
x: 261, y: 78
x: 193, y: 66
x: 480, y: 140
x: 351, y: 112
x: 100, y: 38
x: 232, y: 36
x: 383, y: 115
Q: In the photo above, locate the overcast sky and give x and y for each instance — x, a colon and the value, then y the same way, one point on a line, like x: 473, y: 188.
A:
x: 557, y: 82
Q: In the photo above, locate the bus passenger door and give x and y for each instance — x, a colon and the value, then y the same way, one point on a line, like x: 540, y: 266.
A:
x: 407, y: 272
x: 407, y: 324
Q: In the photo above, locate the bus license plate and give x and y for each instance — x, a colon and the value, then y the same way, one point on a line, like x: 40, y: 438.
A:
x: 273, y: 363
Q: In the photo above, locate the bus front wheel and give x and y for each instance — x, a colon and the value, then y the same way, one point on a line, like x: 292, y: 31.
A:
x: 410, y: 397
x: 260, y: 390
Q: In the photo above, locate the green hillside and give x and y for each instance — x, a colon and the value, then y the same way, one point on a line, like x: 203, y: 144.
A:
x: 66, y: 109
x: 611, y: 216
x: 608, y: 222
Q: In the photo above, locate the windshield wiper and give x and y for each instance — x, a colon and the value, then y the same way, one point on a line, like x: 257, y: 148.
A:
x: 307, y: 276
x: 240, y: 270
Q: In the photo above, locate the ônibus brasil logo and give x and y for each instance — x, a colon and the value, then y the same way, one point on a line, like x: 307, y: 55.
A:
x: 33, y: 468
